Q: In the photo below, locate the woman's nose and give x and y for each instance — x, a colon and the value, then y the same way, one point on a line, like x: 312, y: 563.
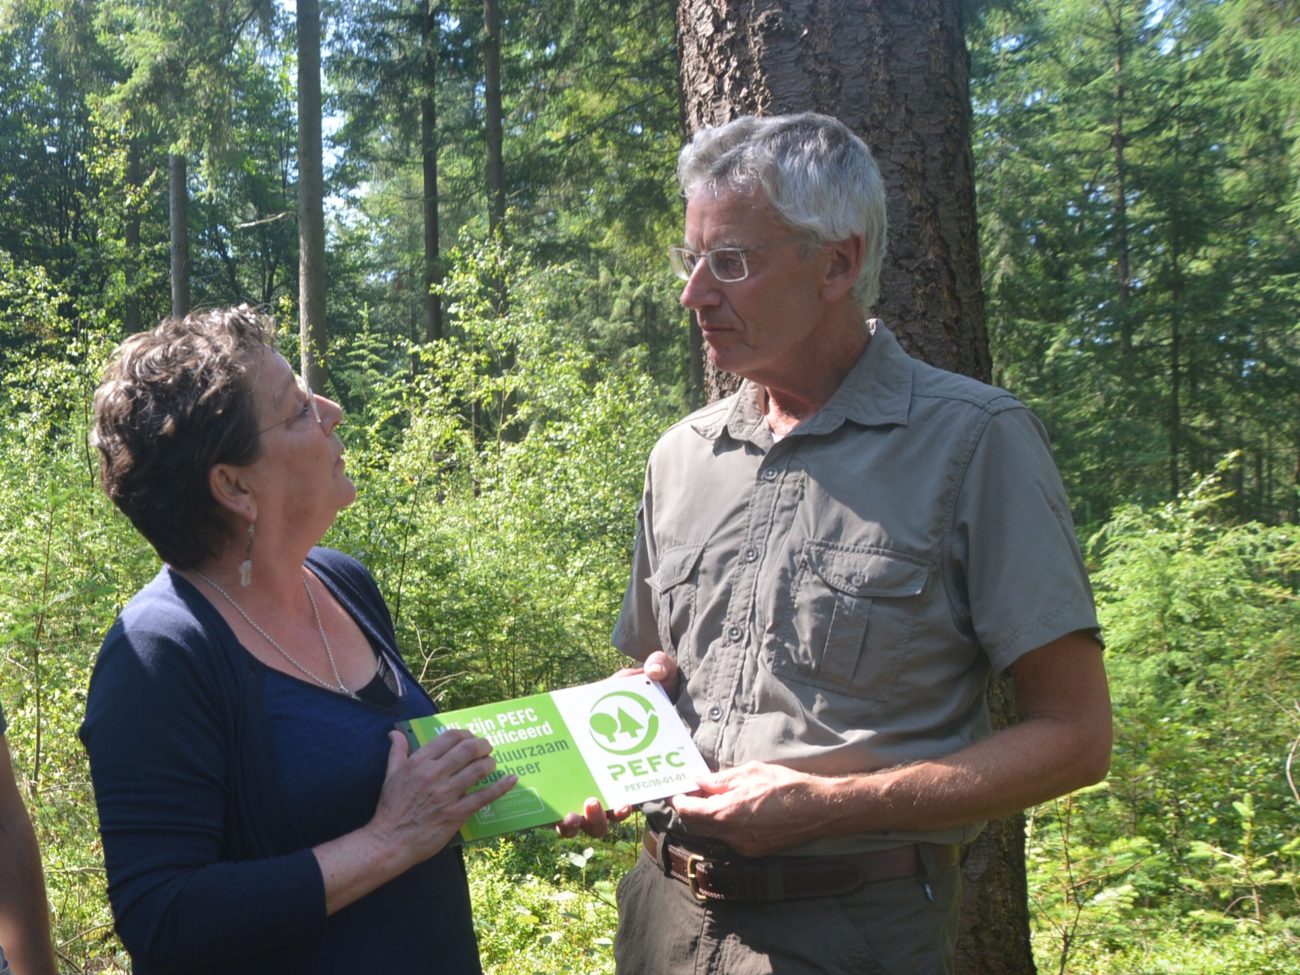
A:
x: 331, y: 414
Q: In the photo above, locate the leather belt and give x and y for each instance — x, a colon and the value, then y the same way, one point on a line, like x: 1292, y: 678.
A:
x: 775, y: 878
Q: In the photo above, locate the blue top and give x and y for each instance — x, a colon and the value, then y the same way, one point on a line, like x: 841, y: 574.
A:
x: 214, y: 775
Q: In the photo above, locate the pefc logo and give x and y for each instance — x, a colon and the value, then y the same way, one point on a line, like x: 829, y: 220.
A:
x: 623, y: 723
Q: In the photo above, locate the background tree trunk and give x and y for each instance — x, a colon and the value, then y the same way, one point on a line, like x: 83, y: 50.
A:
x: 179, y: 227
x: 1118, y: 142
x: 898, y: 75
x: 429, y: 155
x: 131, y: 252
x: 313, y: 333
x: 496, y: 184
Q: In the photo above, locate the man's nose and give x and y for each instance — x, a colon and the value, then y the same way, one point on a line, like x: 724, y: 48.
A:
x: 701, y: 288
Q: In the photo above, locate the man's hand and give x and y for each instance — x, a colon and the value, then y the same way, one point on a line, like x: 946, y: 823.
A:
x: 594, y: 819
x: 660, y: 668
x: 756, y: 808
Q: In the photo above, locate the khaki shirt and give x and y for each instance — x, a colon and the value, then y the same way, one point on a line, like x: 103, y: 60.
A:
x: 837, y: 600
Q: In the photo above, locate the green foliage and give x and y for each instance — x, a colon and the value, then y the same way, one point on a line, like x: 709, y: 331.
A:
x: 591, y: 135
x: 498, y: 473
x: 1196, y: 825
x: 546, y: 905
x: 499, y: 486
x: 66, y: 566
x: 1137, y: 176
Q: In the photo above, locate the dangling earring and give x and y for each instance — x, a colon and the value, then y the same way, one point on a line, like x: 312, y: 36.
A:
x: 246, y: 566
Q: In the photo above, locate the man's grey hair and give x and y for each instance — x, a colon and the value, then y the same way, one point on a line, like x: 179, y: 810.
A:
x: 818, y: 176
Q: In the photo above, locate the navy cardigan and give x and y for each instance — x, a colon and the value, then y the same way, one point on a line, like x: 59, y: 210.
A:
x: 207, y: 870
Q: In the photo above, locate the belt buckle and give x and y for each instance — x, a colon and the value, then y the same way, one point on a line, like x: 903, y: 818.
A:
x: 692, y: 878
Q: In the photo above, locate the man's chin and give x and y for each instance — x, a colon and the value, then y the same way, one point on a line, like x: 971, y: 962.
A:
x: 724, y: 356
x: 719, y: 343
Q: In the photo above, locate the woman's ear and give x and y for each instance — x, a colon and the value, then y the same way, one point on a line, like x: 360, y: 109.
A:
x: 844, y: 266
x: 231, y: 490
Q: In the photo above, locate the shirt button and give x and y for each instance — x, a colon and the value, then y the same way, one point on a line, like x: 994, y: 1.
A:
x: 751, y: 554
x: 715, y: 713
x: 733, y: 634
x: 769, y: 474
x: 856, y: 580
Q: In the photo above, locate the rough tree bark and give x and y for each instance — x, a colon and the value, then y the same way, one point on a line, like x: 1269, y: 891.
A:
x: 898, y: 75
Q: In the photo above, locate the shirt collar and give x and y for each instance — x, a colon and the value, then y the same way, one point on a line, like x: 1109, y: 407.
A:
x: 876, y: 392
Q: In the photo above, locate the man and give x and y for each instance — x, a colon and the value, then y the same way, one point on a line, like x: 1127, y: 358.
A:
x: 829, y: 566
x: 24, y: 914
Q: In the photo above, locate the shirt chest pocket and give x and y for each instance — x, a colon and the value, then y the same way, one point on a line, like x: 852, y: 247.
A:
x: 674, y: 583
x: 847, y: 619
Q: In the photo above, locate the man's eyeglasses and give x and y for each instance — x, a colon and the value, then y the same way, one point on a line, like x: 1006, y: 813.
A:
x: 727, y: 264
x: 305, y: 409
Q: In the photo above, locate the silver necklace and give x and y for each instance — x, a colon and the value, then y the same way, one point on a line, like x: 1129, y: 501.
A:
x: 338, y: 684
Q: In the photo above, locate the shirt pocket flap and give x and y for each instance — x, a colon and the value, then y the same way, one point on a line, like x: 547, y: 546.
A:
x: 675, y: 567
x: 866, y: 573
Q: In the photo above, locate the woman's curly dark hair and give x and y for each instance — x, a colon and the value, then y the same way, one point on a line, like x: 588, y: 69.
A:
x: 174, y: 401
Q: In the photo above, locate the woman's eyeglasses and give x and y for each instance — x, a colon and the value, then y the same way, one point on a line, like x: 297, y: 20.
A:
x: 308, y: 408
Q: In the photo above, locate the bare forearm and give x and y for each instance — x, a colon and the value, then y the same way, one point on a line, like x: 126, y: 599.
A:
x: 760, y: 809
x: 1013, y: 770
x: 356, y: 864
x: 1062, y: 743
x: 24, y: 913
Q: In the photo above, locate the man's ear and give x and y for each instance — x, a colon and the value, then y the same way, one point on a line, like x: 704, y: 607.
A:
x: 844, y: 266
x: 230, y: 489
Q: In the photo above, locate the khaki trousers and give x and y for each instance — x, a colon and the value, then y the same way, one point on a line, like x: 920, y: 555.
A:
x: 893, y: 927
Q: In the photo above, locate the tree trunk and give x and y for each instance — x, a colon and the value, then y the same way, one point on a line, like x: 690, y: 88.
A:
x: 313, y: 334
x: 1118, y: 143
x: 496, y: 185
x: 131, y: 316
x: 179, y: 226
x: 898, y: 75
x: 429, y: 154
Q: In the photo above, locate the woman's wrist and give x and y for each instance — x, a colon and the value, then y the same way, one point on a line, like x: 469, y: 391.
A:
x: 357, y: 863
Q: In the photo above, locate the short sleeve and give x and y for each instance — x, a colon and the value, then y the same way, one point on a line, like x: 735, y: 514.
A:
x: 1014, y: 543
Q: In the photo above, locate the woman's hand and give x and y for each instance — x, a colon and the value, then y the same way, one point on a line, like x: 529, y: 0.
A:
x: 422, y: 804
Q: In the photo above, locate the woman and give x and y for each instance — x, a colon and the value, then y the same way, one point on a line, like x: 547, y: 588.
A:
x: 258, y: 812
